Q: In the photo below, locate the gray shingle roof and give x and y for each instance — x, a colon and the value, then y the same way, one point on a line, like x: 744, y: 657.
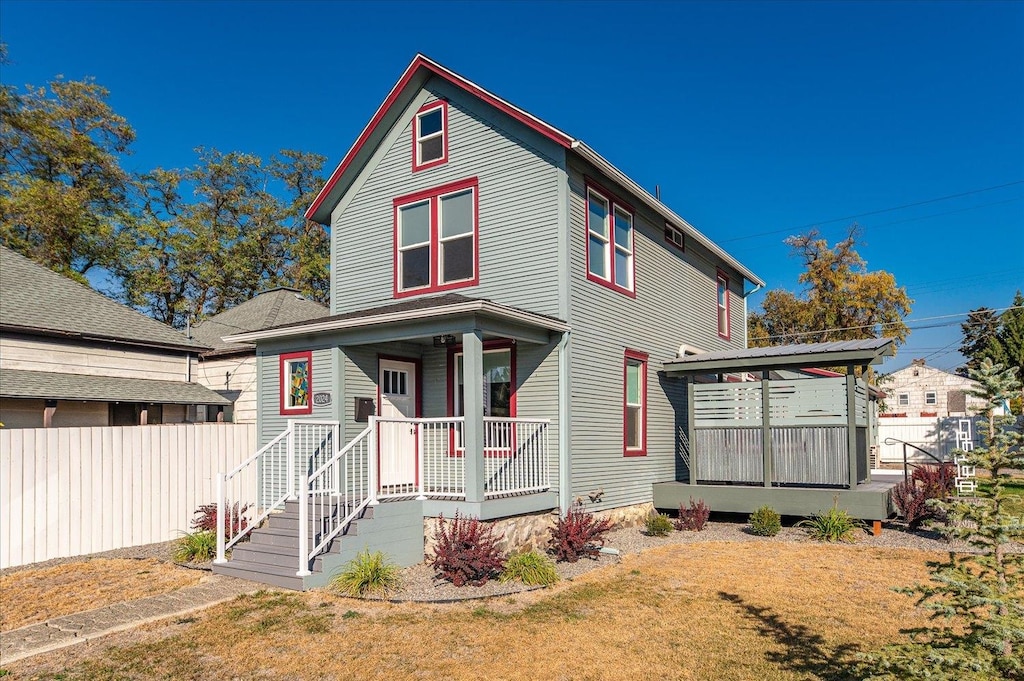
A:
x: 275, y: 307
x: 33, y: 298
x: 54, y: 386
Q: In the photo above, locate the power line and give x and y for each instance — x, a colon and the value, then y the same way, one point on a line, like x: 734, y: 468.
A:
x: 873, y: 212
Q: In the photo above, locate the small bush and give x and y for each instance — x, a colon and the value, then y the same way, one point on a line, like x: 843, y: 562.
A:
x: 832, y: 525
x: 693, y: 517
x: 368, y: 573
x: 926, y: 482
x: 658, y: 524
x: 196, y: 547
x: 578, y: 534
x: 765, y: 522
x: 235, y: 521
x: 467, y: 551
x: 530, y: 568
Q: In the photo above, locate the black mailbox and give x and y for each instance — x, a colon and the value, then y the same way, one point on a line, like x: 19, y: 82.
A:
x: 364, y: 409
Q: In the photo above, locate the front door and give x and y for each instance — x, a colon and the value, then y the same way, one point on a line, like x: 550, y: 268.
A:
x: 397, y: 441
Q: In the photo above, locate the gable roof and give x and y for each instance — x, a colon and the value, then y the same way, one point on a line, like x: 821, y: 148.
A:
x: 38, y: 301
x: 415, y: 76
x: 275, y: 307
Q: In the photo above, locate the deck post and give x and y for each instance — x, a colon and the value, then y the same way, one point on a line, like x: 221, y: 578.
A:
x: 766, y: 431
x: 473, y: 402
x: 851, y: 424
x: 691, y: 431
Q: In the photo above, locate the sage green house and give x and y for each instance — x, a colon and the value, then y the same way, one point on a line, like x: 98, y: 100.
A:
x: 504, y: 304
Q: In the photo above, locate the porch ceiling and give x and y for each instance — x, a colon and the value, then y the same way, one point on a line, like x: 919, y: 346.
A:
x: 419, y: 320
x: 804, y: 356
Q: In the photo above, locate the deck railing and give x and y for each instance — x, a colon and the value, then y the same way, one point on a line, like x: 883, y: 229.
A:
x: 515, y: 456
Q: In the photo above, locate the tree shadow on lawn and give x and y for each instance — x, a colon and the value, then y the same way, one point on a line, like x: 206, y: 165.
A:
x: 805, y: 651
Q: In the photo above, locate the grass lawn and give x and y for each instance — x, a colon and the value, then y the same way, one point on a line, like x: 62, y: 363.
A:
x: 35, y: 595
x: 720, y: 610
x: 1014, y: 487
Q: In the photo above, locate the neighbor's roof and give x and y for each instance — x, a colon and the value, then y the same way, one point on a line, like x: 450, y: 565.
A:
x: 435, y: 307
x: 54, y: 386
x: 803, y: 355
x: 416, y: 75
x: 275, y: 307
x: 36, y: 300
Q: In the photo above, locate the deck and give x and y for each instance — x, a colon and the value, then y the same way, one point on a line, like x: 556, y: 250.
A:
x: 871, y: 500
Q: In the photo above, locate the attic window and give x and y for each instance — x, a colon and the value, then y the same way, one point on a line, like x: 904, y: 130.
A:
x: 674, y: 237
x: 430, y: 136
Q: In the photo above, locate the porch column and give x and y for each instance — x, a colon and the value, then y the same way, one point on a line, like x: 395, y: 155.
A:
x: 766, y: 430
x: 473, y: 405
x: 851, y: 423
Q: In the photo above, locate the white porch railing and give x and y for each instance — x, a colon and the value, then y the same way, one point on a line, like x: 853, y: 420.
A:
x: 515, y: 456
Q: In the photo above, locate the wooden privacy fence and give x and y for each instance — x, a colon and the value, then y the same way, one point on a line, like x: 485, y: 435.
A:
x: 73, y: 491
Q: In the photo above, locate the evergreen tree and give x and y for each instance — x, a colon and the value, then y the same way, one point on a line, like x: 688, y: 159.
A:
x: 981, y: 338
x: 1011, y: 335
x: 976, y: 599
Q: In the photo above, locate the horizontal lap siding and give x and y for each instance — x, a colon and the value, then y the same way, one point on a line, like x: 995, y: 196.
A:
x: 518, y: 228
x: 675, y: 303
x: 272, y: 423
x: 211, y: 373
x: 54, y: 355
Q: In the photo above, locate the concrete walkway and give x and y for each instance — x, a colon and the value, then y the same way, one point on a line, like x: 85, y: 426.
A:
x: 61, y: 632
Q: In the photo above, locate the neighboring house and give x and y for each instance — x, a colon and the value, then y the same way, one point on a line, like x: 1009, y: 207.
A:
x: 921, y: 390
x: 70, y: 356
x: 230, y: 368
x: 504, y: 303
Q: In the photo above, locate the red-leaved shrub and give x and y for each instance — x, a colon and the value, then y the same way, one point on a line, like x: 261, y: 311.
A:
x: 234, y: 520
x: 694, y: 517
x: 466, y: 551
x: 578, y: 534
x: 926, y: 482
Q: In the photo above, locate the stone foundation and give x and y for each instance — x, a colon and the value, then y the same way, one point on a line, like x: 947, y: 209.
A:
x: 628, y: 516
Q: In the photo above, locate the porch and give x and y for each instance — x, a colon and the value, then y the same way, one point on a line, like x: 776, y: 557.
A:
x: 768, y: 426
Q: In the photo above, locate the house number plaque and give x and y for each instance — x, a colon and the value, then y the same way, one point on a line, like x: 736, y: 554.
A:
x: 321, y: 399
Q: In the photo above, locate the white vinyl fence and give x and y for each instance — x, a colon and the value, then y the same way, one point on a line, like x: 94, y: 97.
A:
x: 933, y: 434
x: 73, y: 491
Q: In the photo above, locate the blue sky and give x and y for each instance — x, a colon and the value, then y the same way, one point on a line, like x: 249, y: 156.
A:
x: 756, y: 119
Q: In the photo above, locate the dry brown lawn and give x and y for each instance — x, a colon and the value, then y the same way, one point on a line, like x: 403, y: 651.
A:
x: 35, y: 595
x: 729, y: 611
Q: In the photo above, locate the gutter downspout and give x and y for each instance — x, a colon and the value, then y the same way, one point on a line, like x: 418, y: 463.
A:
x: 757, y: 287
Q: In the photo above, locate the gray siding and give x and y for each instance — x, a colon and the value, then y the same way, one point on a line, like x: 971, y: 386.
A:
x: 271, y: 422
x: 675, y: 303
x: 518, y: 174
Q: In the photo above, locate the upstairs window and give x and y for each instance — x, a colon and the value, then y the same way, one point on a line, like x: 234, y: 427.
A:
x: 674, y: 237
x: 436, y: 239
x: 903, y: 399
x: 634, y: 428
x: 723, y: 306
x: 296, y: 372
x: 430, y: 136
x: 931, y: 398
x: 609, y: 242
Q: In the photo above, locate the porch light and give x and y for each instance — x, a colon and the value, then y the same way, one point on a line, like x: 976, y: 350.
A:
x: 444, y: 340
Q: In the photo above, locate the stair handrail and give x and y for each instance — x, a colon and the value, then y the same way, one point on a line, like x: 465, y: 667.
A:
x: 355, y: 498
x: 223, y: 543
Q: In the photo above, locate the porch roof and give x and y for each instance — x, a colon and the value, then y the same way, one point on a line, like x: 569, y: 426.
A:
x: 419, y: 317
x: 19, y: 383
x: 802, y: 356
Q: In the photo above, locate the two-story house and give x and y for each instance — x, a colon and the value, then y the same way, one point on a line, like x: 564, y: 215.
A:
x: 503, y: 299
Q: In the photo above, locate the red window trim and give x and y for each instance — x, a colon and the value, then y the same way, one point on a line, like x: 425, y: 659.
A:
x: 679, y: 247
x: 282, y: 402
x: 433, y: 196
x: 613, y: 202
x: 719, y: 278
x: 499, y: 344
x: 642, y: 357
x: 426, y: 108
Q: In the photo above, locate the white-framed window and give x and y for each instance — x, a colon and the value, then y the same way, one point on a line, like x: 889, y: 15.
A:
x: 903, y: 399
x: 724, y: 324
x: 430, y: 136
x: 931, y: 397
x: 296, y: 374
x: 436, y: 235
x: 610, y: 241
x: 674, y: 236
x: 499, y: 384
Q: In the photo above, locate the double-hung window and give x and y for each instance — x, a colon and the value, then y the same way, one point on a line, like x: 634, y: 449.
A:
x: 436, y: 235
x: 430, y: 136
x: 903, y: 399
x: 931, y: 398
x: 634, y: 427
x: 723, y: 306
x: 296, y: 372
x: 609, y: 242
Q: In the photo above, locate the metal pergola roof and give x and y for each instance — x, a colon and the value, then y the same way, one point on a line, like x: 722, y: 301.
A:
x: 798, y: 356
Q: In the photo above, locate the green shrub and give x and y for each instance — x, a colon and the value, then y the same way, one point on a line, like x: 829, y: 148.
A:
x: 658, y: 524
x: 368, y: 573
x: 765, y: 522
x: 832, y: 525
x: 196, y: 547
x: 529, y: 568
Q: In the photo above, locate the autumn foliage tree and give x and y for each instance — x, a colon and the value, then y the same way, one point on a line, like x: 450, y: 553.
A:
x: 841, y: 300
